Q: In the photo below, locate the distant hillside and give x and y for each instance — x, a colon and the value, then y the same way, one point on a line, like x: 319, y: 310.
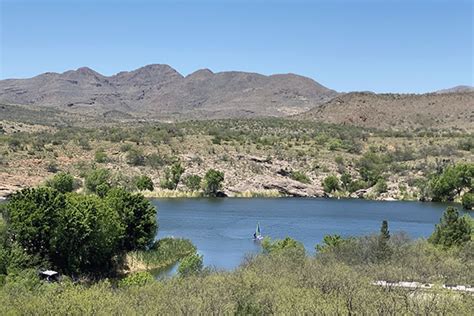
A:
x: 398, y: 111
x: 457, y: 89
x: 159, y: 91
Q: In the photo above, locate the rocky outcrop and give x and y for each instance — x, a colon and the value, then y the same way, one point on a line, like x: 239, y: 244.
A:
x: 285, y: 186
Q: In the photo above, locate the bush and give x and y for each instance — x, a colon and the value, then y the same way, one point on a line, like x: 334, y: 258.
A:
x: 98, y: 181
x: 212, y: 182
x: 300, y: 176
x: 331, y: 184
x: 381, y: 186
x: 63, y: 182
x: 451, y: 182
x: 135, y: 157
x: 193, y: 182
x: 137, y: 279
x: 144, y: 183
x: 172, y: 176
x: 452, y: 230
x: 468, y: 200
x: 100, y: 156
x: 190, y: 265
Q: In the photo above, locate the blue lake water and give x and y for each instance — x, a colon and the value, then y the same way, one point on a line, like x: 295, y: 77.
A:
x: 222, y: 228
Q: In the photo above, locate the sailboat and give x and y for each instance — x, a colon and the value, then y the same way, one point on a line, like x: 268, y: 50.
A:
x: 257, y: 235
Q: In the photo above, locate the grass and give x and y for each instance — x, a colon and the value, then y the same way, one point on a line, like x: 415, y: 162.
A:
x: 164, y: 253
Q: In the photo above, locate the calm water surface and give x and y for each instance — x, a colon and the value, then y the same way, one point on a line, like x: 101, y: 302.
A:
x: 222, y: 228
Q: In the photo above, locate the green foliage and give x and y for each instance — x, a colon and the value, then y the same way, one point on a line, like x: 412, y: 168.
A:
x: 63, y: 182
x: 451, y: 182
x: 283, y: 246
x: 100, y: 156
x: 33, y: 216
x: 190, y: 265
x: 468, y: 200
x: 164, y: 252
x: 212, y: 182
x: 144, y: 183
x: 381, y: 186
x: 87, y: 236
x: 383, y: 251
x: 135, y: 157
x: 300, y: 176
x: 371, y: 166
x: 137, y: 279
x: 329, y: 243
x: 172, y: 176
x: 137, y: 215
x: 346, y: 180
x: 193, y: 182
x: 357, y: 185
x: 98, y: 181
x: 331, y: 184
x: 452, y: 230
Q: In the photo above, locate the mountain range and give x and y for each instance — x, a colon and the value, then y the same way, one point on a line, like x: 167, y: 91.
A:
x: 159, y: 92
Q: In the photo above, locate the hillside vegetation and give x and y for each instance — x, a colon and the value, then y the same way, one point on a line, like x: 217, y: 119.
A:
x: 258, y: 157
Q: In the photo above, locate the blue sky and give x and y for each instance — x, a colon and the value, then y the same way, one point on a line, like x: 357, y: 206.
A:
x: 382, y: 46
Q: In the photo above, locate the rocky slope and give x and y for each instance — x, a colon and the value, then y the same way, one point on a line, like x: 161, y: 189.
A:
x: 397, y: 111
x: 159, y: 91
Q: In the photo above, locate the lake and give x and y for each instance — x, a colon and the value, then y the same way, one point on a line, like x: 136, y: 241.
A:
x: 222, y: 228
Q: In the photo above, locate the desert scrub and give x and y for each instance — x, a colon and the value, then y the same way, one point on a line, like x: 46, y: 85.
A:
x: 300, y: 176
x: 161, y: 254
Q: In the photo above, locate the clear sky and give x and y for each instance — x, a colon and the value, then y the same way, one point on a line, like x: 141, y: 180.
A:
x: 382, y: 46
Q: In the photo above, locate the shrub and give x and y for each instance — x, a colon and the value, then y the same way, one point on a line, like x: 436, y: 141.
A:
x: 63, y: 182
x: 331, y: 184
x: 144, y: 183
x: 137, y: 279
x: 381, y: 186
x: 190, y: 265
x: 98, y: 180
x: 300, y: 176
x: 451, y: 182
x: 193, y: 182
x: 468, y: 200
x: 172, y: 176
x: 52, y: 167
x: 100, y: 156
x: 135, y: 157
x: 213, y: 182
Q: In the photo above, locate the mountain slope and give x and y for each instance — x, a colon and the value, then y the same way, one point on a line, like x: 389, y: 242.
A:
x: 159, y: 91
x: 397, y: 111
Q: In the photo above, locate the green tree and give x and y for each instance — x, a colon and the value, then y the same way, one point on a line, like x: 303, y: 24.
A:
x: 468, y: 200
x: 32, y: 216
x: 452, y: 181
x: 452, y: 230
x: 144, y: 183
x: 138, y: 216
x: 172, y: 176
x: 63, y: 182
x: 193, y: 182
x: 190, y: 265
x: 346, y: 180
x: 282, y: 246
x: 384, y: 250
x: 331, y: 184
x: 330, y: 242
x: 213, y: 182
x: 98, y: 181
x: 87, y: 236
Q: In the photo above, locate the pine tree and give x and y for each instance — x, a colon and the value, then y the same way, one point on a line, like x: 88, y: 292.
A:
x: 384, y: 251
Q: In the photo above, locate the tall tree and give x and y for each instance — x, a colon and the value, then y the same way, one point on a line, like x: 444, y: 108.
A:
x: 453, y: 230
x: 384, y: 251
